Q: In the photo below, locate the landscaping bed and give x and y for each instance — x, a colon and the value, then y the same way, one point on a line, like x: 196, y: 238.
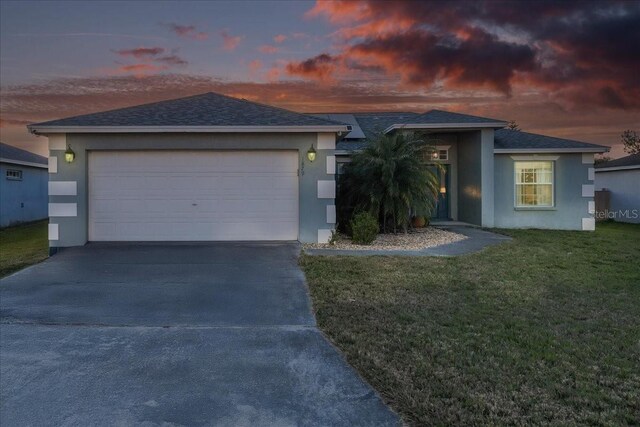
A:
x: 414, y: 240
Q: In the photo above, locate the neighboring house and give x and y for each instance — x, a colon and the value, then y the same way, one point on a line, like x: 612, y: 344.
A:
x: 23, y: 186
x: 211, y: 167
x: 621, y: 178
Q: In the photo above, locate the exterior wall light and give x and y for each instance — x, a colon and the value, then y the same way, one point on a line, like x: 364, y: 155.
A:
x: 435, y: 155
x: 69, y: 155
x: 311, y: 153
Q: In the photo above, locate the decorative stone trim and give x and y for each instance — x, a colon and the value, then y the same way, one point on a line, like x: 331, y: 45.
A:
x: 591, y: 207
x: 53, y: 164
x: 326, y: 141
x: 63, y: 188
x: 588, y: 224
x: 63, y: 209
x: 331, y: 214
x: 588, y: 190
x: 331, y: 165
x: 326, y: 189
x: 58, y: 142
x: 53, y: 232
x: 588, y: 158
x: 591, y: 174
x: 324, y: 234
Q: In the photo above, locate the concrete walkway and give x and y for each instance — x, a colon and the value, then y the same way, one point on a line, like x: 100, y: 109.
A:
x: 180, y: 335
x: 477, y: 240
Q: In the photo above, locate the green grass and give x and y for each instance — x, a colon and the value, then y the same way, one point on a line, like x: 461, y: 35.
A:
x: 22, y: 245
x: 541, y: 330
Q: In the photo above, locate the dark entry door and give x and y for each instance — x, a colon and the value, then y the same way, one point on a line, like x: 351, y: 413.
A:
x: 442, y: 208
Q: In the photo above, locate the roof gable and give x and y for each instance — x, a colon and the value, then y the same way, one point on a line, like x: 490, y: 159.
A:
x: 205, y: 110
x: 447, y: 117
x: 507, y: 139
x: 623, y: 162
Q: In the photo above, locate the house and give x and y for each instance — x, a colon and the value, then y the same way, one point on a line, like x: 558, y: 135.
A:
x: 621, y: 179
x: 212, y: 167
x: 23, y: 186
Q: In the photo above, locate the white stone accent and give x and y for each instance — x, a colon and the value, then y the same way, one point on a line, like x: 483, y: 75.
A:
x: 591, y: 174
x: 53, y: 164
x: 53, y: 232
x: 58, y: 142
x: 331, y: 214
x: 326, y: 141
x: 324, y: 235
x: 588, y: 190
x: 63, y: 188
x: 326, y: 189
x: 331, y: 165
x: 63, y: 209
x: 588, y: 224
x: 591, y: 207
x: 587, y: 158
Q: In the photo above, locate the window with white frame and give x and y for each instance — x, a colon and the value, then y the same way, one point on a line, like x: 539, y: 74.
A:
x: 14, y: 175
x: 534, y: 184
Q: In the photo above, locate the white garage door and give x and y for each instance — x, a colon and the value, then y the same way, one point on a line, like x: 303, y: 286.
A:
x: 193, y: 195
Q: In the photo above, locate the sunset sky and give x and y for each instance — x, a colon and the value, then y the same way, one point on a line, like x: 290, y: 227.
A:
x: 562, y: 68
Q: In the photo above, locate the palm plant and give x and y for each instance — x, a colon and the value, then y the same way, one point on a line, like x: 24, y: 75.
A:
x: 391, y: 179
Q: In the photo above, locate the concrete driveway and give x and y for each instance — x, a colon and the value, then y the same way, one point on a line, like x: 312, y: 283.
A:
x: 178, y: 334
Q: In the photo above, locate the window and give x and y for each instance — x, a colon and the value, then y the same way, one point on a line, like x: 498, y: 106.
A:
x: 443, y: 154
x: 534, y: 184
x: 14, y: 175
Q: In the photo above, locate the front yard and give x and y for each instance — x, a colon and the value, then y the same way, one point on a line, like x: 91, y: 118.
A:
x: 544, y: 329
x: 22, y: 245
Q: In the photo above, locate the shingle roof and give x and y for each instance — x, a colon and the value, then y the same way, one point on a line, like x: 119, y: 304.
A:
x: 9, y: 152
x: 440, y: 116
x: 515, y: 139
x: 208, y: 109
x: 632, y: 160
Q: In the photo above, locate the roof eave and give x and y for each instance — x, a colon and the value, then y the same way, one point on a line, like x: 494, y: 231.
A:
x: 446, y: 126
x: 617, y: 168
x: 551, y: 150
x: 37, y: 129
x: 23, y: 163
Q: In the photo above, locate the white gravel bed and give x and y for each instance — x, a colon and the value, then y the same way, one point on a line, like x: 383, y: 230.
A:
x: 417, y: 239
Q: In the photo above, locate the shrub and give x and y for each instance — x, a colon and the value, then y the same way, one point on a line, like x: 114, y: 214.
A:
x: 364, y: 228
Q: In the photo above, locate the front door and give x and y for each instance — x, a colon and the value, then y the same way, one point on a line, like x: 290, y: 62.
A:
x: 442, y: 207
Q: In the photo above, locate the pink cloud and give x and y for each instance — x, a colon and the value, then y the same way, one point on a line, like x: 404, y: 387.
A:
x: 140, y: 52
x: 279, y: 38
x: 255, y: 66
x: 188, y: 31
x: 267, y: 48
x: 230, y: 42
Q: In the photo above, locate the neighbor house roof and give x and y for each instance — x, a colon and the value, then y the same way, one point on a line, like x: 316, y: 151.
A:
x: 15, y: 155
x: 507, y: 141
x: 209, y: 112
x: 627, y: 162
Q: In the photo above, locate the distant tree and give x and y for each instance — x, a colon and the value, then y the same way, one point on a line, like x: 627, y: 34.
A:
x: 601, y: 158
x: 513, y: 125
x: 631, y: 141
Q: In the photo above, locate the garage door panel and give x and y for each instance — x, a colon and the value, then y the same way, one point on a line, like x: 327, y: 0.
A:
x: 193, y: 195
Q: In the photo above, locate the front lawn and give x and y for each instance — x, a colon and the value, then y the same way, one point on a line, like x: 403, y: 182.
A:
x: 543, y: 329
x: 22, y: 245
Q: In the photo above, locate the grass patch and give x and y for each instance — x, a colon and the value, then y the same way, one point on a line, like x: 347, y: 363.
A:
x: 540, y: 330
x: 22, y: 245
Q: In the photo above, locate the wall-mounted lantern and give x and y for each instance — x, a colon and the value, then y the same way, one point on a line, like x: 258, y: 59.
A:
x: 311, y: 153
x: 69, y: 155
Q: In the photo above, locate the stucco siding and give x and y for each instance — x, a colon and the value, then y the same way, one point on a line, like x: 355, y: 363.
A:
x: 571, y: 207
x: 624, y: 202
x: 73, y: 231
x: 22, y: 200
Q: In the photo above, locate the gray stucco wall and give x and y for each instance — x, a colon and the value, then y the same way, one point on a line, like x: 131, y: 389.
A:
x: 73, y: 230
x: 469, y: 177
x: 25, y: 200
x: 624, y: 205
x: 571, y: 207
